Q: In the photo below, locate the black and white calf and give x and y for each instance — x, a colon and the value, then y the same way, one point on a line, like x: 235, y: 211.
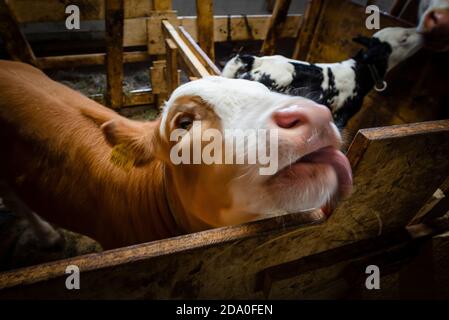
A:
x: 340, y: 86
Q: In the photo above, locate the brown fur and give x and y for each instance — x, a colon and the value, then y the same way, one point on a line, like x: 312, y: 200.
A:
x: 56, y: 158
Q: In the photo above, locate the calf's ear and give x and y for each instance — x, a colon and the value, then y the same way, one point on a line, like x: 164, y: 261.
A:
x: 364, y: 41
x: 134, y: 143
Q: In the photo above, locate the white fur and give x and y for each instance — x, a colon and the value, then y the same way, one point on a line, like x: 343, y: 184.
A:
x: 344, y: 76
x: 404, y: 42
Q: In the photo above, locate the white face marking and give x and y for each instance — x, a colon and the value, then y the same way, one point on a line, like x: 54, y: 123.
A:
x: 240, y: 104
x: 404, y: 43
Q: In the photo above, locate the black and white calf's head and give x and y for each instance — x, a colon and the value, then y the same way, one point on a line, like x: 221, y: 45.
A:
x: 390, y: 46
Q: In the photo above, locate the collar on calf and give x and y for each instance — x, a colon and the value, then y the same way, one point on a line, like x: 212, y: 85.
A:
x: 379, y: 83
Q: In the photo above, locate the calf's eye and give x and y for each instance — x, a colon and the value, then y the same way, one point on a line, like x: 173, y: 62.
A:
x: 184, y: 122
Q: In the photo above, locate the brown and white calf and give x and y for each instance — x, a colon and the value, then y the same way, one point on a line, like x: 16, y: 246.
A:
x: 84, y: 167
x: 434, y: 23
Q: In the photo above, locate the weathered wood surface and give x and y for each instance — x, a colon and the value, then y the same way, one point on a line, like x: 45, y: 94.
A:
x: 395, y: 170
x: 205, y: 26
x: 13, y: 38
x: 275, y: 25
x: 90, y: 59
x: 198, y: 52
x: 160, y: 5
x: 130, y: 99
x: 159, y: 83
x: 54, y: 10
x: 156, y: 43
x: 409, y: 98
x: 172, y: 74
x: 114, y: 53
x: 194, y: 65
x: 239, y: 31
x: 309, y: 24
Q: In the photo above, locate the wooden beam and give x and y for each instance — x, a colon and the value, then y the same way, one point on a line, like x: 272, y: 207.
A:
x: 309, y: 24
x: 172, y: 74
x: 71, y: 61
x: 276, y: 23
x: 155, y: 38
x: 205, y: 26
x: 354, y: 251
x: 130, y: 99
x: 194, y: 65
x: 159, y: 83
x: 14, y: 40
x: 199, y: 53
x: 29, y: 11
x: 161, y: 5
x: 114, y: 52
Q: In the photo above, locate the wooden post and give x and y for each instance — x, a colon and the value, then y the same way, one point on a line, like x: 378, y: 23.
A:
x: 205, y: 26
x: 161, y: 5
x: 114, y: 13
x: 158, y: 81
x: 15, y: 42
x: 172, y: 66
x: 274, y: 28
x: 305, y: 35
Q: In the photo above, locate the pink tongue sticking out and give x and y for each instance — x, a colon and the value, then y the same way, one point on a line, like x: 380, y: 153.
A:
x: 340, y: 163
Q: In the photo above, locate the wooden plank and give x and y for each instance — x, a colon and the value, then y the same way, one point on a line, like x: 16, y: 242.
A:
x: 276, y: 24
x: 172, y: 74
x: 194, y: 65
x: 395, y: 171
x: 239, y: 31
x: 114, y: 52
x: 114, y: 258
x: 159, y: 82
x: 135, y: 32
x: 309, y: 24
x: 14, y: 40
x: 161, y: 5
x: 205, y: 26
x: 29, y: 11
x: 155, y: 43
x: 355, y: 251
x: 71, y: 61
x: 199, y: 53
x: 130, y: 99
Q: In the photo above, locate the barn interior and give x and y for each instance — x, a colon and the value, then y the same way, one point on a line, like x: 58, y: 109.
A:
x: 131, y: 55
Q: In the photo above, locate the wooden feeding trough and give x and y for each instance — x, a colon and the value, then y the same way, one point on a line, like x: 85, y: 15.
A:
x: 396, y: 217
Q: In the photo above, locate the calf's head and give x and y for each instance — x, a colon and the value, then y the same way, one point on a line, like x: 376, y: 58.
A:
x: 213, y: 187
x: 392, y: 44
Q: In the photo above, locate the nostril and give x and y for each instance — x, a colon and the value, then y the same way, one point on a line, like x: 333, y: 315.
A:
x: 290, y: 117
x: 436, y: 19
x: 431, y: 20
x: 286, y: 122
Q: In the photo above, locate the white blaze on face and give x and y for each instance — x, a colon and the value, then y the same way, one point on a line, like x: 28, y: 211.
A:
x: 404, y: 43
x: 240, y: 104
